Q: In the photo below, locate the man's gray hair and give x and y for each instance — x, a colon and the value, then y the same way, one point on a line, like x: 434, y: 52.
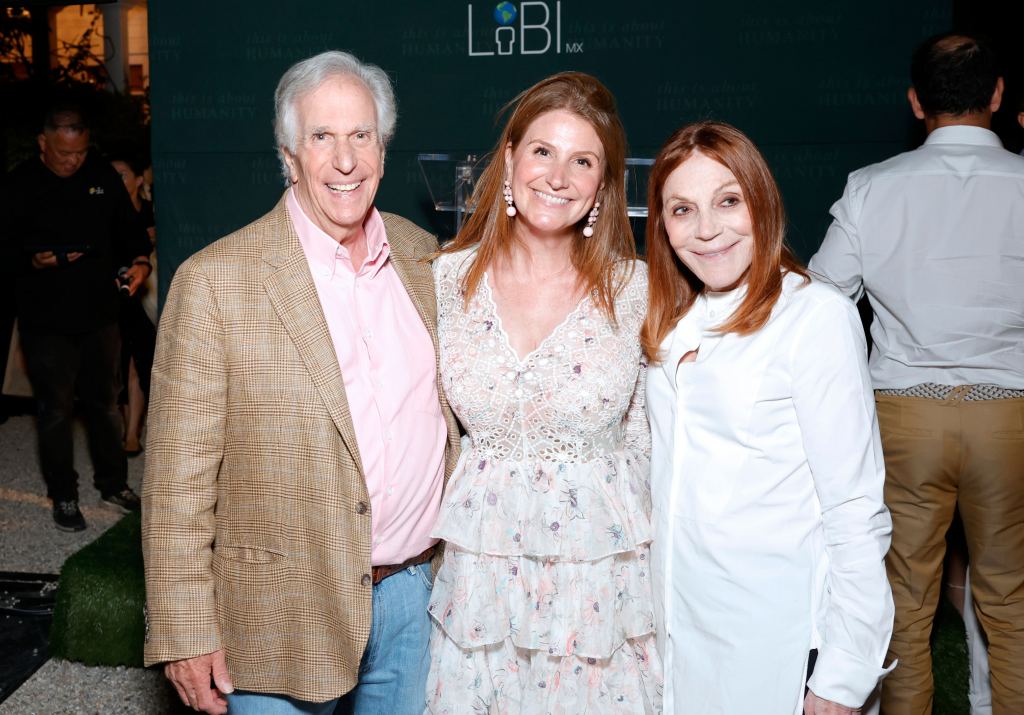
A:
x: 305, y: 76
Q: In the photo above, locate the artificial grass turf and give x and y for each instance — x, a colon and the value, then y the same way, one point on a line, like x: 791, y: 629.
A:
x: 98, y: 617
x: 949, y: 662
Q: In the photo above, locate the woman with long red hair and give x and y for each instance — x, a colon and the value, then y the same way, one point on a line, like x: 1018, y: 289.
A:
x: 769, y: 526
x: 543, y: 603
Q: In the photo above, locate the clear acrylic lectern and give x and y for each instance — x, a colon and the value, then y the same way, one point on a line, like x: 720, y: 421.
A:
x: 452, y: 178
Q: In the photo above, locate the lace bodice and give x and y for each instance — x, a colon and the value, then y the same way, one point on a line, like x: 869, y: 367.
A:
x: 562, y: 403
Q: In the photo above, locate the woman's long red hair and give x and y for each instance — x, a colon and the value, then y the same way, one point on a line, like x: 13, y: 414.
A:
x: 673, y: 287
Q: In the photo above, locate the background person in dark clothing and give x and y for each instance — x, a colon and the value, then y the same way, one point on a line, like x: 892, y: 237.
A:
x: 69, y: 225
x: 6, y: 327
x: 138, y: 334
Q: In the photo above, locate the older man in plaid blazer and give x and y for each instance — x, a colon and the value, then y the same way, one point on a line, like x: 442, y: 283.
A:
x: 299, y: 439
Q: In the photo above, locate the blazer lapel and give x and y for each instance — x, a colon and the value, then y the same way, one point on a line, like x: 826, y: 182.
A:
x: 291, y: 292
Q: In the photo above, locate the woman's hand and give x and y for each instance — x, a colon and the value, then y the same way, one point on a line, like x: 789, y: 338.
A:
x: 813, y: 705
x: 50, y: 259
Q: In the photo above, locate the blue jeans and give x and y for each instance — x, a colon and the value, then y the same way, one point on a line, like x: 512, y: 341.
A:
x: 393, y: 671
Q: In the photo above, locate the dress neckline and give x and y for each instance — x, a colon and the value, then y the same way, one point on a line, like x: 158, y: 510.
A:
x: 486, y: 282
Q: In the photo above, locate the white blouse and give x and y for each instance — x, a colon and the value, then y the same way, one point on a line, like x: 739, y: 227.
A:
x: 769, y: 528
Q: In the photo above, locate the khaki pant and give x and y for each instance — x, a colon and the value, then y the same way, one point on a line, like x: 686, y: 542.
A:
x: 938, y: 454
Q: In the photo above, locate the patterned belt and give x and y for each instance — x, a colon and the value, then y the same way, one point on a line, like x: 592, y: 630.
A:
x: 967, y: 393
x: 382, y: 572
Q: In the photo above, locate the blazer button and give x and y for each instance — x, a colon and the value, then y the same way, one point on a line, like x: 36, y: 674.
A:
x: 361, y: 508
x: 366, y: 579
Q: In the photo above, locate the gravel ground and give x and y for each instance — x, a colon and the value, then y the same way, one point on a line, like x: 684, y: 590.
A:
x: 64, y: 688
x: 30, y: 542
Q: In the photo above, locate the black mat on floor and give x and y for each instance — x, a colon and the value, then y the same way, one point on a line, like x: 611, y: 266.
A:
x: 26, y: 609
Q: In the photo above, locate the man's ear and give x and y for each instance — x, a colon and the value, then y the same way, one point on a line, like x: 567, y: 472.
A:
x: 915, y: 105
x: 289, y: 161
x: 997, y: 96
x: 42, y: 141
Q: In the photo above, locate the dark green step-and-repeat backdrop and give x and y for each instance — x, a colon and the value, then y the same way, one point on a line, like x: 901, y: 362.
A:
x: 820, y: 86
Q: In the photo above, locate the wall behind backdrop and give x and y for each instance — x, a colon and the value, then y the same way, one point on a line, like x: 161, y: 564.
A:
x: 819, y: 86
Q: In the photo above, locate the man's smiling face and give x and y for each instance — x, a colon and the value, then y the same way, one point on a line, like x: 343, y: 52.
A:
x: 339, y: 158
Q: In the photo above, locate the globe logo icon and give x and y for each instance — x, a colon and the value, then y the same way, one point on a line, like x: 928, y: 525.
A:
x: 505, y: 13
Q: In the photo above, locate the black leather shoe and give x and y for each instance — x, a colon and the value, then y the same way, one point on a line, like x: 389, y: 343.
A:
x: 126, y: 500
x: 67, y: 516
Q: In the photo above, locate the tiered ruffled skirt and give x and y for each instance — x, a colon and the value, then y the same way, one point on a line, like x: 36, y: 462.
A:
x: 543, y: 604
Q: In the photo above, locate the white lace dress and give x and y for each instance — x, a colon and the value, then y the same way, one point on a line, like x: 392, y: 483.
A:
x: 543, y: 604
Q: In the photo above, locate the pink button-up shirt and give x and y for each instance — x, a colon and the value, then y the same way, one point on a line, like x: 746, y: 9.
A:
x: 388, y: 366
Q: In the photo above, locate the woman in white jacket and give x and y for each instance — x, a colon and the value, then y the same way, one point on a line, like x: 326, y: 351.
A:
x: 769, y: 526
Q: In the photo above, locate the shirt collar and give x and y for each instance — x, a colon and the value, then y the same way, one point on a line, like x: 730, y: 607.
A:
x: 322, y: 250
x: 709, y: 310
x: 964, y: 134
x: 718, y: 306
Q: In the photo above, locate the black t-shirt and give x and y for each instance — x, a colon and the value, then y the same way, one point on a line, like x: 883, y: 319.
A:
x: 90, y: 212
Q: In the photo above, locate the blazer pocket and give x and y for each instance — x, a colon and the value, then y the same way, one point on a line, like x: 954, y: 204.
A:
x: 245, y: 589
x: 257, y: 612
x: 248, y: 554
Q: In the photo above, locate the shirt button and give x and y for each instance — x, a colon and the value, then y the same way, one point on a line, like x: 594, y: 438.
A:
x: 325, y: 272
x: 367, y: 580
x: 368, y: 334
x: 361, y: 508
x: 391, y: 490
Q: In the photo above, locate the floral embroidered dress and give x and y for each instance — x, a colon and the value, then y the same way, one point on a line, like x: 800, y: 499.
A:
x: 543, y: 604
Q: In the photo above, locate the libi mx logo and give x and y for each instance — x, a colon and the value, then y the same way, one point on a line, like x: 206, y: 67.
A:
x: 532, y: 28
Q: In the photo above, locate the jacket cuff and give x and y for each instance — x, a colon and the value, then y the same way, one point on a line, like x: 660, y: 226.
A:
x: 165, y: 642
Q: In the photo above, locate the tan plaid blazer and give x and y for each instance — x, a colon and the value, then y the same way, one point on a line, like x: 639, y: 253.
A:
x: 252, y: 532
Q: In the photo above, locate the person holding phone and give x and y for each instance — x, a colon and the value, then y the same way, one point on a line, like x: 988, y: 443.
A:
x: 68, y: 225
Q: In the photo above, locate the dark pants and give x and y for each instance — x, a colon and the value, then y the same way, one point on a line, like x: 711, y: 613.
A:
x: 61, y: 368
x: 7, y: 313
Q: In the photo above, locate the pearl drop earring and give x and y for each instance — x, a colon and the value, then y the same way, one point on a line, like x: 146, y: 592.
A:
x: 510, y: 210
x: 588, y: 230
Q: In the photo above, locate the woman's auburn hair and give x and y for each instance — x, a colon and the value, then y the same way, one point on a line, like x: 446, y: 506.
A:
x: 673, y: 287
x: 488, y: 226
